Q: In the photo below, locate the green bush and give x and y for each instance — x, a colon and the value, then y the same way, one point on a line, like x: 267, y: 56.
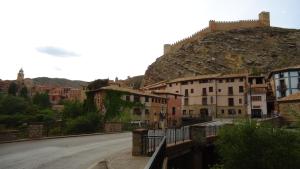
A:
x: 88, y: 123
x: 251, y: 146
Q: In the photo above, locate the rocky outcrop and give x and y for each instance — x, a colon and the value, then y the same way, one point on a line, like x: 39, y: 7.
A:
x: 256, y: 50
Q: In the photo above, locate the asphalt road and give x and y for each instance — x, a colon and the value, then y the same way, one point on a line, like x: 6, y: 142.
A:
x: 62, y: 153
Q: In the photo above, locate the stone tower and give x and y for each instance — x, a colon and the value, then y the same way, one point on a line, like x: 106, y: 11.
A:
x: 264, y: 18
x: 20, y: 77
x: 167, y: 48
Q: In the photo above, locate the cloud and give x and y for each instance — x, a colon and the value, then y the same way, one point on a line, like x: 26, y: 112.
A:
x: 56, y: 51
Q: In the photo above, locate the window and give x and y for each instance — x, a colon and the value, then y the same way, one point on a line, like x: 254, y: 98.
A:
x: 241, y: 89
x: 204, y: 101
x: 186, y: 101
x: 146, y: 111
x: 204, y: 92
x: 137, y: 111
x: 173, y: 110
x: 259, y: 80
x: 240, y: 101
x: 251, y: 81
x: 241, y: 79
x: 186, y: 92
x: 222, y: 111
x: 192, y: 82
x: 219, y: 90
x: 146, y: 99
x: 136, y: 98
x: 177, y: 91
x: 240, y: 111
x: 127, y: 98
x: 281, y: 75
x: 203, y: 81
x: 230, y: 90
x: 220, y: 81
x: 184, y: 112
x: 211, y: 100
x: 175, y: 97
x: 211, y: 89
x: 256, y: 98
x: 170, y: 85
x: 231, y: 111
x: 230, y: 80
x: 230, y: 102
x: 192, y: 90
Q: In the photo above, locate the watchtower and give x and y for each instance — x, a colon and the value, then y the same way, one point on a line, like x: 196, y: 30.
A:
x: 264, y: 18
x: 167, y: 48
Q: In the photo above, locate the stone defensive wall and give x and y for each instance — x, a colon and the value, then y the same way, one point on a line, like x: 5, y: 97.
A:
x: 263, y: 21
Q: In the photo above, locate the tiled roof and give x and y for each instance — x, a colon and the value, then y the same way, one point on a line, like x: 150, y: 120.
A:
x: 209, y: 76
x: 292, y: 97
x: 166, y: 92
x: 127, y: 90
x: 158, y: 84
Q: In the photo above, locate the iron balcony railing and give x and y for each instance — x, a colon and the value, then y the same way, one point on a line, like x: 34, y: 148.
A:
x: 281, y: 88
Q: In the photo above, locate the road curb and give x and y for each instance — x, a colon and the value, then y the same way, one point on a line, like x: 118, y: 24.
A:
x: 56, y: 137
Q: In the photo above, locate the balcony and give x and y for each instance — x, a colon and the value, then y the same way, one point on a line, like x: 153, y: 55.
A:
x: 204, y: 94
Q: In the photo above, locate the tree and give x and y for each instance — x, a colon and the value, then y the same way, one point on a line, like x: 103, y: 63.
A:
x: 72, y: 109
x: 42, y: 100
x: 249, y: 145
x: 13, y: 89
x: 13, y: 105
x: 24, y: 92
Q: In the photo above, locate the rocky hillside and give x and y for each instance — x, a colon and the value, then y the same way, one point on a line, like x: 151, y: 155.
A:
x: 257, y: 50
x: 58, y: 82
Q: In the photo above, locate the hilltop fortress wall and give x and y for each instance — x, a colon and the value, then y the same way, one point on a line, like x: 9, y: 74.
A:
x: 263, y: 21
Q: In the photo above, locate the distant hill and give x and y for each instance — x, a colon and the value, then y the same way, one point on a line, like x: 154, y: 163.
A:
x: 58, y: 82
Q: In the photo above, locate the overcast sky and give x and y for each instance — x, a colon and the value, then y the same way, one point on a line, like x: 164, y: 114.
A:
x: 91, y: 39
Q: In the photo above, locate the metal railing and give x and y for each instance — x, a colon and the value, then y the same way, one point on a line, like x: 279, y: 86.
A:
x: 173, y: 135
x: 157, y: 159
x: 150, y: 143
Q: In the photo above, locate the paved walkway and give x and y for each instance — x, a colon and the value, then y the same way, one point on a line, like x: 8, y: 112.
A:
x: 124, y: 160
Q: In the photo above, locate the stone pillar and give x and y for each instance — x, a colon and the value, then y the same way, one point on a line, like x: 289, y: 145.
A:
x: 137, y: 141
x: 35, y: 130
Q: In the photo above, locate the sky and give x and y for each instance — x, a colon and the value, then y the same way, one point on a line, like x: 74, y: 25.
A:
x: 94, y: 39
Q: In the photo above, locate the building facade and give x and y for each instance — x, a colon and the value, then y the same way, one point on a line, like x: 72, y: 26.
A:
x: 285, y: 81
x: 257, y: 97
x: 152, y: 113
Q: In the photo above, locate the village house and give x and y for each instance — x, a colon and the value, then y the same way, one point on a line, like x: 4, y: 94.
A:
x: 289, y: 107
x: 285, y: 81
x: 198, y: 95
x: 153, y: 111
x: 257, y: 97
x: 59, y: 94
x: 173, y: 114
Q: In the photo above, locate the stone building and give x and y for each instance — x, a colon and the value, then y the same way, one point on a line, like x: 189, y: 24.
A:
x: 289, y: 107
x: 212, y: 95
x: 153, y: 111
x: 285, y: 81
x: 174, y: 113
x: 59, y: 94
x: 257, y: 97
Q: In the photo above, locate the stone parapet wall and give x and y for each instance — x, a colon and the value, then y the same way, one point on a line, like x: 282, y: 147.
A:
x: 112, y: 127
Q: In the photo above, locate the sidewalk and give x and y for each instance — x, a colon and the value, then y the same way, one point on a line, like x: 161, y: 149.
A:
x: 124, y: 160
